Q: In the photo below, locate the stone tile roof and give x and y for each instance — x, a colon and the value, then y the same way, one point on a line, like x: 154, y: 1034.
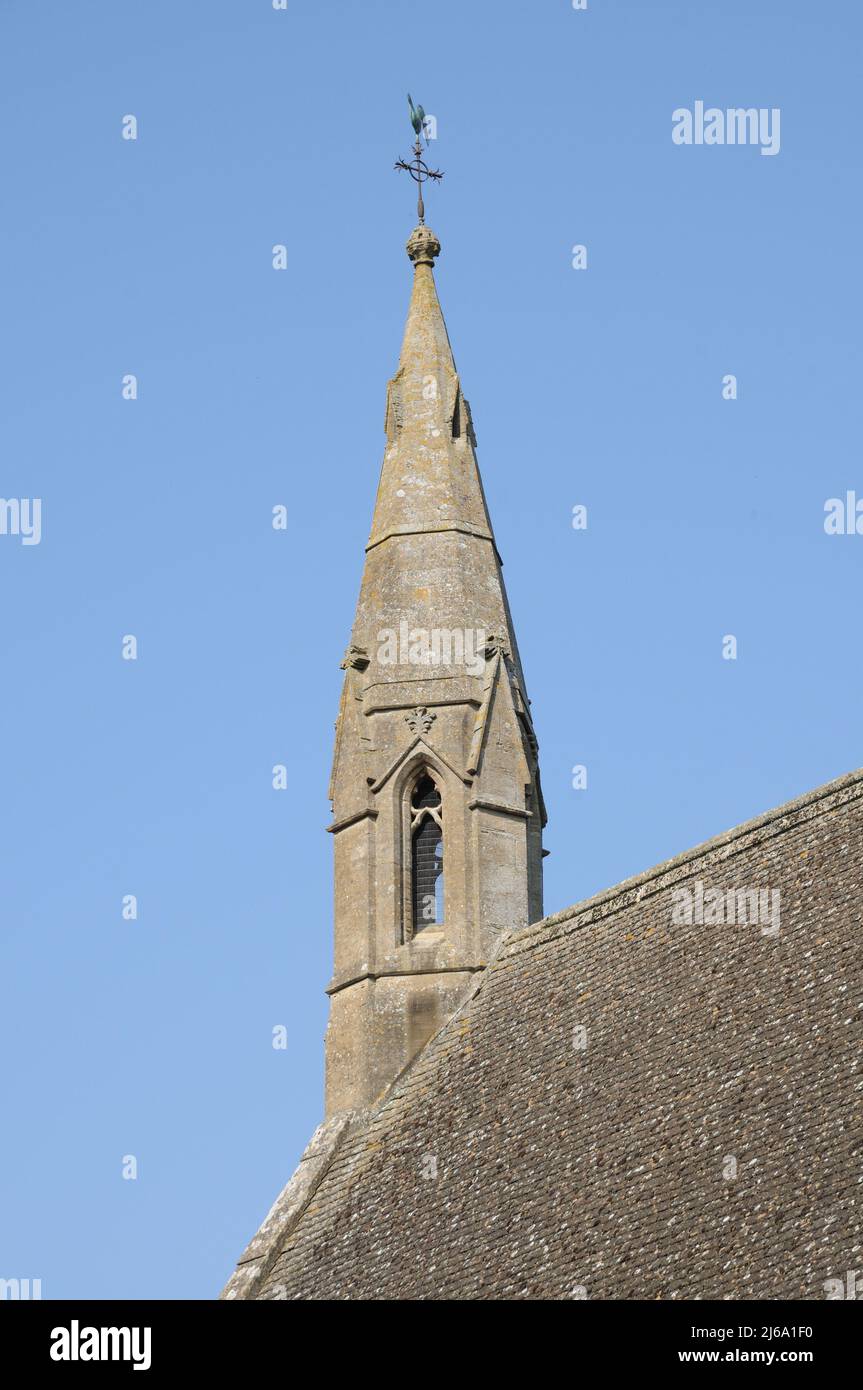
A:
x: 624, y: 1108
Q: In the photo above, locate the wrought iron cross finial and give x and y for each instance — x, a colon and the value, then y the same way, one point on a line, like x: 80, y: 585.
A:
x: 417, y: 167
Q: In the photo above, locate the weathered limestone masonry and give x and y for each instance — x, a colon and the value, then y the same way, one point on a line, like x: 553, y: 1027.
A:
x: 435, y: 771
x: 623, y: 1107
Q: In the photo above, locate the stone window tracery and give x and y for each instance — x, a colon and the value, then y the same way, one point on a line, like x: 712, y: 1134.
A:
x: 426, y: 829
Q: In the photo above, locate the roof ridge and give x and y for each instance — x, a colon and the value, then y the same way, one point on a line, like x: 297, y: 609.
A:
x: 777, y: 821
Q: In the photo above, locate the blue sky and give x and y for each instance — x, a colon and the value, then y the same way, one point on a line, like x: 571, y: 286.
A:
x: 600, y: 387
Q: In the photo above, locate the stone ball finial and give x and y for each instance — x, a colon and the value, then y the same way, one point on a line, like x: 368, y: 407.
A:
x: 423, y: 245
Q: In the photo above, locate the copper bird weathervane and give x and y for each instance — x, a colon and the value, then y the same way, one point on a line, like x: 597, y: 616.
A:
x: 417, y: 167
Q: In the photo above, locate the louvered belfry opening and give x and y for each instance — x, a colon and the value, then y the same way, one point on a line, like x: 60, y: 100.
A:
x: 426, y: 854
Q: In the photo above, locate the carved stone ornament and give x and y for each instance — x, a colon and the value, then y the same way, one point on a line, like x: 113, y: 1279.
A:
x: 420, y: 720
x: 356, y: 658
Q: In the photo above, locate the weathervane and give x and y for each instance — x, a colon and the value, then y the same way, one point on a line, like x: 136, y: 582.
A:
x: 417, y: 167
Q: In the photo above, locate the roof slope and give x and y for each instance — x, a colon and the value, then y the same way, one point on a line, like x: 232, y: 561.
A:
x: 521, y: 1158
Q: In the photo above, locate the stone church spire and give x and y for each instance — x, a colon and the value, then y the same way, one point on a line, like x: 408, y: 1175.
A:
x: 437, y: 808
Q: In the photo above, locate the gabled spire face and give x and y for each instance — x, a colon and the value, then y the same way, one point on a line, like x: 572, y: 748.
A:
x: 433, y: 695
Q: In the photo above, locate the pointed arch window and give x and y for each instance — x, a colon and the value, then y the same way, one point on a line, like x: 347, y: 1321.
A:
x: 426, y: 854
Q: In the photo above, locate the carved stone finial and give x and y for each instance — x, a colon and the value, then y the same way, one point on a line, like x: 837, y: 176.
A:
x: 496, y: 645
x: 423, y: 245
x: 356, y: 658
x: 420, y: 720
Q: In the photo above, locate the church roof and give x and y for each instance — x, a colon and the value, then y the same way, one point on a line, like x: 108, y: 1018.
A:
x: 627, y: 1106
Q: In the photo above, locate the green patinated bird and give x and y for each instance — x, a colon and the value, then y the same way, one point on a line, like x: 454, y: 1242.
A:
x: 417, y: 116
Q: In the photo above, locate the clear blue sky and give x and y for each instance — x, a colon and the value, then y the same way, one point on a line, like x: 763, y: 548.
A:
x: 259, y: 387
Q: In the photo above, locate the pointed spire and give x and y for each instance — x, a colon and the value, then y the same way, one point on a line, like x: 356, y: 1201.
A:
x: 430, y: 480
x: 432, y: 560
x: 433, y: 693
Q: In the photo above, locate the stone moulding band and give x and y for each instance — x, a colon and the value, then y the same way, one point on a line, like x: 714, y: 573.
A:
x: 480, y: 803
x: 397, y: 974
x: 338, y: 825
x: 400, y: 704
x: 465, y: 528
